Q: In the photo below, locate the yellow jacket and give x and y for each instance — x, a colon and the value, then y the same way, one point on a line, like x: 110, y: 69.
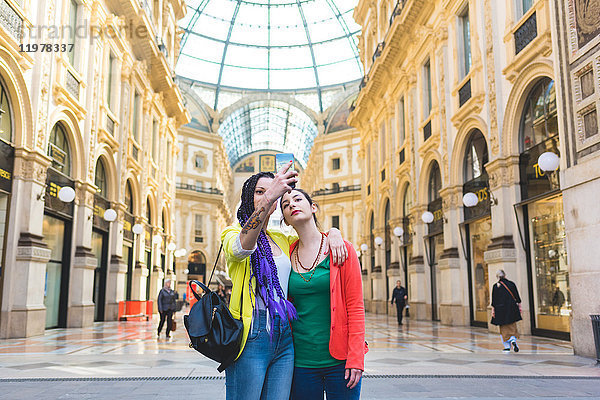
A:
x: 237, y: 268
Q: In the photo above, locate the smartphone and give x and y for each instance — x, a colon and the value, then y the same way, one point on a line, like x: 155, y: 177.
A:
x: 283, y: 159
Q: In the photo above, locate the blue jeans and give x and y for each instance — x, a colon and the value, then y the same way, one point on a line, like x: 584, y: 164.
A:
x: 265, y: 368
x: 310, y: 383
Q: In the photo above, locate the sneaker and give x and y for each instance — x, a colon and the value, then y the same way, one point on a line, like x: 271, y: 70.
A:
x: 506, y: 351
x: 515, y: 347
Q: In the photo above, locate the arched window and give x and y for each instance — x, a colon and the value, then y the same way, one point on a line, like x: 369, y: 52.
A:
x: 148, y: 212
x: 164, y: 221
x: 435, y: 182
x: 196, y: 263
x: 58, y: 150
x: 406, y: 202
x: 128, y: 198
x: 476, y: 156
x: 540, y: 121
x: 100, y: 179
x: 6, y: 127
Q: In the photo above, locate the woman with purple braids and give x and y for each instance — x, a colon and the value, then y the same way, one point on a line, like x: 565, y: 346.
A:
x: 259, y: 266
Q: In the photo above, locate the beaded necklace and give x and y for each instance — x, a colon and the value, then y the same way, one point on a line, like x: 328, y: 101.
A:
x: 314, y: 262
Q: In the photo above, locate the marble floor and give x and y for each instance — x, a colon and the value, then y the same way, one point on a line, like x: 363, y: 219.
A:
x: 417, y: 354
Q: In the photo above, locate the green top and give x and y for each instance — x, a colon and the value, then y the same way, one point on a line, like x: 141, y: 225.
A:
x: 311, y: 329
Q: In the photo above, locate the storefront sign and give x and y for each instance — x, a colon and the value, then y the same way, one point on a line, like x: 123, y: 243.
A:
x: 534, y: 181
x: 480, y: 187
x: 100, y: 206
x: 437, y: 226
x: 128, y: 223
x: 54, y: 182
x: 7, y: 160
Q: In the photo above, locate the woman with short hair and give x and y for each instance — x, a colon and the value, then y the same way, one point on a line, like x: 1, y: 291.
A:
x: 506, y: 310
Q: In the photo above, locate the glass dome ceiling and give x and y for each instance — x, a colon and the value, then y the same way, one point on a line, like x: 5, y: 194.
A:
x: 269, y: 44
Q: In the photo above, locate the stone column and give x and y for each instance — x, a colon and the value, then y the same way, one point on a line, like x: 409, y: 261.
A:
x: 502, y: 252
x: 117, y: 268
x: 454, y: 288
x: 81, y: 282
x: 23, y: 310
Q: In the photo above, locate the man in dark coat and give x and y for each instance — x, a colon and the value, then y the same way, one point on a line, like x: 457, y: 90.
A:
x: 506, y: 310
x: 166, y: 307
x: 399, y: 294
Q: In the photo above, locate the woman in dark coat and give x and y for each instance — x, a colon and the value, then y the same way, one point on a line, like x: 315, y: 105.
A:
x: 506, y: 310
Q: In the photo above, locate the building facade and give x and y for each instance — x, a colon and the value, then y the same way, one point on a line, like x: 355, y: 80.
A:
x: 459, y: 97
x: 577, y: 49
x: 88, y: 143
x: 202, y: 210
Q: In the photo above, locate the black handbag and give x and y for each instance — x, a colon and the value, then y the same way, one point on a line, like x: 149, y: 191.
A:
x: 212, y: 329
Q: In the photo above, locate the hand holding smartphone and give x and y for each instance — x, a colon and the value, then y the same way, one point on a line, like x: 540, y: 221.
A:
x: 283, y: 159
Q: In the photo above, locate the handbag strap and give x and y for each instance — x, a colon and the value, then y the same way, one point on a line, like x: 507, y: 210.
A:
x: 511, y: 293
x: 215, y: 266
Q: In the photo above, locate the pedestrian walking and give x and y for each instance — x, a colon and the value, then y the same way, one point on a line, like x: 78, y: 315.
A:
x: 259, y: 266
x: 400, y: 296
x: 329, y: 334
x: 506, y: 310
x: 166, y: 307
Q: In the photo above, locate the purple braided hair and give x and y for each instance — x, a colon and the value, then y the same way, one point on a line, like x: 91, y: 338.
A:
x: 264, y: 268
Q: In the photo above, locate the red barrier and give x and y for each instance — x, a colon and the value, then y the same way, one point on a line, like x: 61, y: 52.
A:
x: 135, y: 310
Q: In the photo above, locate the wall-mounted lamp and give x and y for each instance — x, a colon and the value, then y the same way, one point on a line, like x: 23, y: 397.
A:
x: 364, y: 247
x: 171, y: 246
x: 548, y: 161
x: 186, y: 271
x: 180, y: 253
x: 378, y: 240
x: 137, y: 229
x: 398, y: 231
x: 110, y: 215
x: 42, y: 194
x: 66, y: 194
x: 156, y: 239
x: 470, y: 199
x: 427, y: 217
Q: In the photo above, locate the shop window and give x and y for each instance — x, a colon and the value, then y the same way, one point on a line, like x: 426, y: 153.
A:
x: 372, y: 241
x: 336, y: 163
x: 58, y: 150
x: 388, y: 235
x: 335, y: 221
x: 5, y: 115
x: 196, y: 263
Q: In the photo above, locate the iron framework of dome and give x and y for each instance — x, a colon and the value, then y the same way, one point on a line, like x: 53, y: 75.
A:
x: 269, y: 45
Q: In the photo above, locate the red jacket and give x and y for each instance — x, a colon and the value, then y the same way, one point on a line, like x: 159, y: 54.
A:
x: 347, y: 338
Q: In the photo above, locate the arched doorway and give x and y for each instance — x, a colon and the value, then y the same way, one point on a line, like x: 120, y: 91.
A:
x: 100, y: 228
x: 434, y: 240
x: 406, y: 245
x: 478, y: 226
x: 57, y: 227
x: 388, y: 247
x: 542, y: 205
x: 7, y: 157
x: 197, y: 266
x: 148, y: 244
x: 128, y: 236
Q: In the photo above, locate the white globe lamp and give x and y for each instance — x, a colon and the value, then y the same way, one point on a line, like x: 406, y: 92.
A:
x: 156, y: 239
x: 427, y: 217
x: 110, y: 215
x: 186, y: 271
x: 137, y: 229
x: 364, y: 247
x: 470, y: 199
x: 378, y: 240
x: 548, y: 161
x: 172, y: 246
x: 183, y: 252
x: 66, y: 194
x: 398, y: 231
